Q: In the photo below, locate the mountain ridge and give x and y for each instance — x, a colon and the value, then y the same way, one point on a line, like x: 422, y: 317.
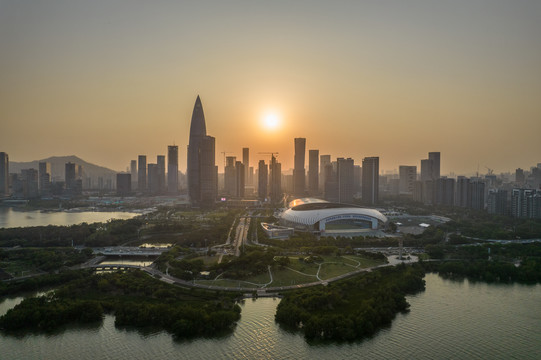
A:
x: 58, y: 167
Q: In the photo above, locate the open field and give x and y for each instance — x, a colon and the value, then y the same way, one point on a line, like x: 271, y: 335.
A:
x: 300, y: 272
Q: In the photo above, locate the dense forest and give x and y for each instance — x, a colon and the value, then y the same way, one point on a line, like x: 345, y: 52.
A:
x: 134, y: 298
x: 350, y: 309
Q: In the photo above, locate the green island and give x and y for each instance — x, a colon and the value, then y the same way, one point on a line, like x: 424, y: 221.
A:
x: 350, y: 309
x: 134, y: 298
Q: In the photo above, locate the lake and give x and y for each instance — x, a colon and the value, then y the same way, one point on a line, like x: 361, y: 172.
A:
x: 13, y: 218
x: 451, y: 319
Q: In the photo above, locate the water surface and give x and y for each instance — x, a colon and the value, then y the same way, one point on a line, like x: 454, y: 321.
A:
x: 450, y: 320
x: 13, y: 218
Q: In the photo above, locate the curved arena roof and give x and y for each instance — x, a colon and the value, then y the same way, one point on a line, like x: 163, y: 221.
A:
x: 310, y: 211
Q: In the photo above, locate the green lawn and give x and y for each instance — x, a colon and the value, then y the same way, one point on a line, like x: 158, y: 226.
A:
x: 332, y: 266
x: 301, y: 266
x: 286, y: 277
x: 208, y: 260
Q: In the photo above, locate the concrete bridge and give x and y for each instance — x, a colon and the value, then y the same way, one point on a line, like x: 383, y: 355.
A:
x: 129, y: 251
x: 109, y: 267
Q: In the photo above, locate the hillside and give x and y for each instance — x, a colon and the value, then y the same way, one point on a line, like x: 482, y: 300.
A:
x: 58, y: 167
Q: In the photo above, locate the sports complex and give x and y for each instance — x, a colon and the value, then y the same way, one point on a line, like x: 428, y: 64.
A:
x: 333, y: 219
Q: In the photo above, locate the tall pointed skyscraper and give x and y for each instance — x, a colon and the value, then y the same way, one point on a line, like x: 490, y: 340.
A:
x: 202, y: 171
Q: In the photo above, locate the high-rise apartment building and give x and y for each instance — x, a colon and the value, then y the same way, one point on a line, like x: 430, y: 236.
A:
x: 142, y: 173
x: 299, y: 177
x: 313, y: 171
x: 477, y: 191
x: 4, y: 174
x: 407, y: 176
x: 202, y: 170
x: 370, y: 185
x: 463, y: 195
x: 172, y: 169
x: 519, y: 176
x: 497, y: 202
x: 445, y: 192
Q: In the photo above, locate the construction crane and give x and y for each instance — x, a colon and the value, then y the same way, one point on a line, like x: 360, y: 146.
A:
x: 490, y: 171
x: 269, y: 153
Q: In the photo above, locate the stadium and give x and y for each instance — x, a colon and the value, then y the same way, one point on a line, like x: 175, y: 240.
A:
x: 328, y: 218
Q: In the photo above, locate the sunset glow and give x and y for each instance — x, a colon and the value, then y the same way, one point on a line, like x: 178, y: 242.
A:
x: 271, y: 121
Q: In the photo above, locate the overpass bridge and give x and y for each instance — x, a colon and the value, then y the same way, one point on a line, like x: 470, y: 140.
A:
x: 109, y: 267
x: 129, y: 251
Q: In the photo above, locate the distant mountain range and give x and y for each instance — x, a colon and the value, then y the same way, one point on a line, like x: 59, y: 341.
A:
x: 58, y: 167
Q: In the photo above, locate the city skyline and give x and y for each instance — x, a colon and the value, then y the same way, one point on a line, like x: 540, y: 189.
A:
x: 357, y: 80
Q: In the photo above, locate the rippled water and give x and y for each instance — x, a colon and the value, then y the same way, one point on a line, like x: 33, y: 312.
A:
x: 450, y: 320
x: 11, y: 218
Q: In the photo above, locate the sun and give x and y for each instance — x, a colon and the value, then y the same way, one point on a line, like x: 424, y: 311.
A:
x: 271, y: 121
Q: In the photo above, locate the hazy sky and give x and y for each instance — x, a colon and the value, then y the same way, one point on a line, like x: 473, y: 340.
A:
x: 109, y: 80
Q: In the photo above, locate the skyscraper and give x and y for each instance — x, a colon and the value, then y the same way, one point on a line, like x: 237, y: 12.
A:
x: 172, y: 169
x: 263, y: 179
x: 344, y: 173
x: 246, y: 163
x: 299, y: 178
x: 202, y: 171
x: 208, y: 178
x: 330, y: 188
x: 370, y: 186
x: 426, y: 169
x: 44, y: 177
x: 142, y: 173
x: 275, y: 181
x: 4, y: 174
x: 324, y: 160
x: 69, y: 175
x: 313, y: 171
x: 153, y: 181
x: 160, y: 161
x: 123, y: 184
x: 435, y: 158
x: 230, y: 176
x: 133, y: 172
x: 241, y: 181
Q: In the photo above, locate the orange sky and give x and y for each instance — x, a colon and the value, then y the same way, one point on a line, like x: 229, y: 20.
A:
x: 108, y: 81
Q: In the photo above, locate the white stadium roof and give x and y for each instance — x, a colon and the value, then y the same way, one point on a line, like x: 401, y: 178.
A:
x: 309, y: 211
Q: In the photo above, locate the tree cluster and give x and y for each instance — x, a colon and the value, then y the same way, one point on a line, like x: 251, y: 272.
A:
x: 353, y: 308
x: 135, y: 299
